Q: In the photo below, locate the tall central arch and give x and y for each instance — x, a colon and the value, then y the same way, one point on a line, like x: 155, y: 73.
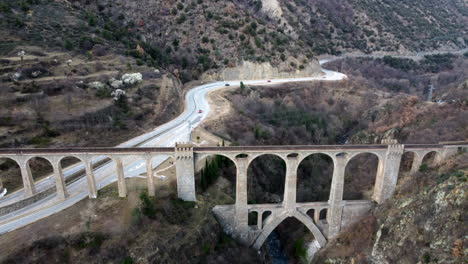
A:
x: 304, y: 219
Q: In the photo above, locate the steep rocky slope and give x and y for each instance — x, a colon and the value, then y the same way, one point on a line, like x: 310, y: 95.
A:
x: 424, y: 223
x: 335, y: 26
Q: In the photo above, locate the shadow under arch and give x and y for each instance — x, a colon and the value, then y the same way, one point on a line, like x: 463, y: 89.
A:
x: 10, y: 176
x: 304, y: 219
x: 430, y: 158
x: 360, y: 176
x: 69, y: 166
x: 407, y: 160
x: 40, y: 167
x: 314, y: 178
x: 210, y: 167
x: 266, y: 178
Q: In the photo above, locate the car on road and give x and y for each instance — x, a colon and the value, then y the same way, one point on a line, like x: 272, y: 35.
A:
x: 269, y: 81
x: 227, y: 84
x: 200, y: 111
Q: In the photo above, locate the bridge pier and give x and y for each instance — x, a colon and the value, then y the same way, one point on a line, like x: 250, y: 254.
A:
x: 122, y: 186
x: 62, y: 193
x: 334, y: 214
x: 447, y: 152
x: 185, y: 172
x: 386, y: 181
x: 417, y: 162
x: 291, y: 183
x: 26, y: 175
x: 241, y: 207
x: 149, y: 175
x: 91, y: 180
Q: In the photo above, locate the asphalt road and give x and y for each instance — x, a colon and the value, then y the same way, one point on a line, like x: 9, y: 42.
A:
x: 176, y: 130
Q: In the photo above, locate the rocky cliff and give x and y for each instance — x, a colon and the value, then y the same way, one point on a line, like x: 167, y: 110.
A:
x: 424, y: 223
x: 254, y: 71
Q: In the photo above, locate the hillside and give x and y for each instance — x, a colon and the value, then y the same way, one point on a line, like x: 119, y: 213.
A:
x: 336, y: 26
x: 424, y: 223
x: 93, y: 73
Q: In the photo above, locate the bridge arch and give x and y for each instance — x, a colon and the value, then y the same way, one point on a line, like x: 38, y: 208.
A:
x: 431, y: 158
x: 314, y: 177
x: 210, y: 166
x: 266, y: 178
x: 67, y: 162
x: 407, y: 160
x: 10, y: 166
x: 276, y: 220
x: 260, y: 155
x: 44, y: 164
x: 361, y: 171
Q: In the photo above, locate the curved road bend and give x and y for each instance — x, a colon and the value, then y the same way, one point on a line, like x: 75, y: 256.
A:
x: 177, y: 130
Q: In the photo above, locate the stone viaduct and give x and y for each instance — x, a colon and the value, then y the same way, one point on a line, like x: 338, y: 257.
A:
x: 327, y: 219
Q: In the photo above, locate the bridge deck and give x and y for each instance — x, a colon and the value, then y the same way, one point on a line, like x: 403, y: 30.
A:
x: 292, y: 148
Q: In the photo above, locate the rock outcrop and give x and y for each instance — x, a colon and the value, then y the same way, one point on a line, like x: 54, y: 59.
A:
x: 253, y: 71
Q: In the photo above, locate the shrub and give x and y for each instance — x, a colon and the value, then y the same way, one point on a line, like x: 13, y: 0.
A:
x: 181, y: 19
x: 424, y: 168
x: 128, y: 260
x: 147, y: 206
x: 5, y: 7
x: 180, y: 6
x: 300, y: 250
x: 67, y: 44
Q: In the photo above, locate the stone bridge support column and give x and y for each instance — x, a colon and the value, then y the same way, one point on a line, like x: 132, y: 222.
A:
x: 242, y: 211
x: 417, y: 162
x: 62, y: 193
x: 446, y: 153
x: 90, y: 178
x: 291, y: 183
x: 386, y: 182
x: 149, y: 175
x: 335, y: 210
x: 28, y: 181
x: 185, y: 172
x: 120, y: 177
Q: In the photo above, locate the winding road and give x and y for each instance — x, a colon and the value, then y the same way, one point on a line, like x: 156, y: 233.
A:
x: 176, y: 130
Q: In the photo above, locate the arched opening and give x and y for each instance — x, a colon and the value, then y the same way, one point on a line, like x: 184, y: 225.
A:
x: 428, y: 160
x: 241, y: 156
x: 461, y: 150
x: 288, y: 242
x: 253, y: 218
x: 265, y: 215
x: 10, y: 177
x: 323, y: 214
x: 311, y: 214
x: 220, y: 171
x: 265, y: 179
x: 41, y: 170
x: 360, y: 175
x: 314, y: 177
x: 406, y: 162
x: 71, y: 169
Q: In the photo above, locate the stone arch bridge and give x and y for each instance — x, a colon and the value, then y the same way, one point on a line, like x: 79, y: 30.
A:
x: 328, y: 217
